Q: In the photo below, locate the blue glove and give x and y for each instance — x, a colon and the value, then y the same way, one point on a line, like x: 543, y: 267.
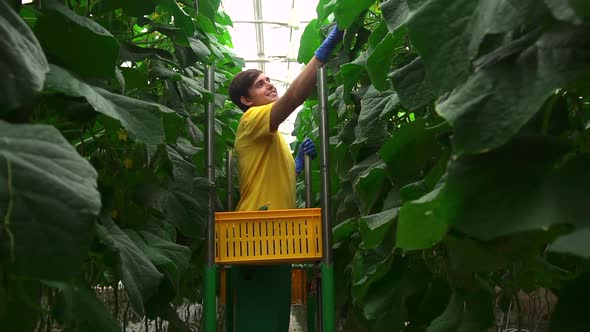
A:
x: 306, y: 148
x: 324, y: 51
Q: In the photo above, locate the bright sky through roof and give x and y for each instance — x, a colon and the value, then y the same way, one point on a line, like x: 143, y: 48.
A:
x: 266, y: 34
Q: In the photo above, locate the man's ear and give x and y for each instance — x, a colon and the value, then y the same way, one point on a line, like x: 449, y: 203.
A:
x: 246, y: 101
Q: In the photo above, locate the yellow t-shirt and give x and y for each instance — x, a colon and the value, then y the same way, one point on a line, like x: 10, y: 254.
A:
x: 266, y: 167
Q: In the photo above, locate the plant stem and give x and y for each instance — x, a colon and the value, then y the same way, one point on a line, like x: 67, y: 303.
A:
x: 9, y: 209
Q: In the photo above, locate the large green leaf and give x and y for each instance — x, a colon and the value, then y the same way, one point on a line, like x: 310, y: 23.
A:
x: 143, y: 120
x: 375, y: 227
x: 22, y: 63
x: 310, y: 41
x: 181, y: 18
x: 369, y: 266
x: 410, y: 150
x: 347, y: 11
x: 412, y: 86
x: 49, y: 199
x: 575, y: 243
x: 139, y: 275
x: 574, y: 11
x: 351, y: 73
x: 79, y: 310
x: 395, y: 13
x: 375, y: 108
x: 208, y: 8
x: 449, y: 43
x: 529, y: 186
x: 371, y: 184
x: 189, y: 89
x: 181, y: 201
x: 76, y: 42
x: 469, y: 312
x: 386, y: 301
x: 421, y: 222
x: 496, y: 102
x: 131, y: 7
x: 379, y: 63
x: 170, y: 257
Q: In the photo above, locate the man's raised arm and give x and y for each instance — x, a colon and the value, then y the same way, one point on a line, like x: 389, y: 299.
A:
x: 303, y: 84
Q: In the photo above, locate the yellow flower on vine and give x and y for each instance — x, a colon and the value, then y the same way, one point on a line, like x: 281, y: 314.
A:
x: 122, y: 135
x: 128, y: 163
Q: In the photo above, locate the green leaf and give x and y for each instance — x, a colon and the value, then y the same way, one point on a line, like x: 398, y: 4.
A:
x: 466, y: 313
x: 79, y: 310
x: 131, y: 7
x: 181, y: 18
x: 573, y: 11
x: 386, y: 302
x: 178, y: 35
x: 351, y: 73
x: 344, y: 230
x: 375, y: 107
x: 570, y: 313
x: 412, y: 86
x: 49, y: 199
x: 395, y: 13
x: 468, y: 255
x: 142, y: 119
x: 409, y: 151
x: 347, y: 11
x: 371, y: 184
x: 379, y: 62
x: 199, y: 48
x: 208, y: 8
x: 310, y: 41
x: 374, y: 228
x: 325, y: 8
x: 369, y: 266
x: 575, y: 243
x: 449, y: 49
x: 169, y: 257
x: 421, y: 222
x: 131, y: 52
x: 89, y: 49
x: 496, y: 102
x: 532, y: 188
x: 22, y: 63
x: 180, y: 202
x: 139, y: 275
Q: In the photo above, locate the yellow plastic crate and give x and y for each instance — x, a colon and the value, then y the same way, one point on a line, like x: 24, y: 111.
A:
x: 292, y: 235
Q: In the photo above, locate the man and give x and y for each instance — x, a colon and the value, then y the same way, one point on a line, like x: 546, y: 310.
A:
x: 267, y: 173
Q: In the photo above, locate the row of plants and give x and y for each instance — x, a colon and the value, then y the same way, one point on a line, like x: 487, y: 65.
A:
x: 460, y: 158
x: 102, y: 157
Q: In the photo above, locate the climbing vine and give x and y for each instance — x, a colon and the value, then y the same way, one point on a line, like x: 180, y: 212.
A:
x: 102, y: 176
x: 460, y: 154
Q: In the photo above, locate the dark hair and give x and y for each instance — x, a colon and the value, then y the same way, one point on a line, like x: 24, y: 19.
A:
x: 240, y: 84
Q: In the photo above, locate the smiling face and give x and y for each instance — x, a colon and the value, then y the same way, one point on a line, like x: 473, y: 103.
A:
x: 262, y: 92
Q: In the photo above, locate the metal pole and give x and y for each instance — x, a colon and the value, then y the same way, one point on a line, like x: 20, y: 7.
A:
x: 210, y: 303
x: 230, y: 179
x: 308, y: 191
x: 327, y: 289
x: 230, y: 303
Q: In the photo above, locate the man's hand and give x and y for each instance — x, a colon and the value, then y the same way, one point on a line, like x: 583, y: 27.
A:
x: 324, y: 51
x: 306, y: 148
